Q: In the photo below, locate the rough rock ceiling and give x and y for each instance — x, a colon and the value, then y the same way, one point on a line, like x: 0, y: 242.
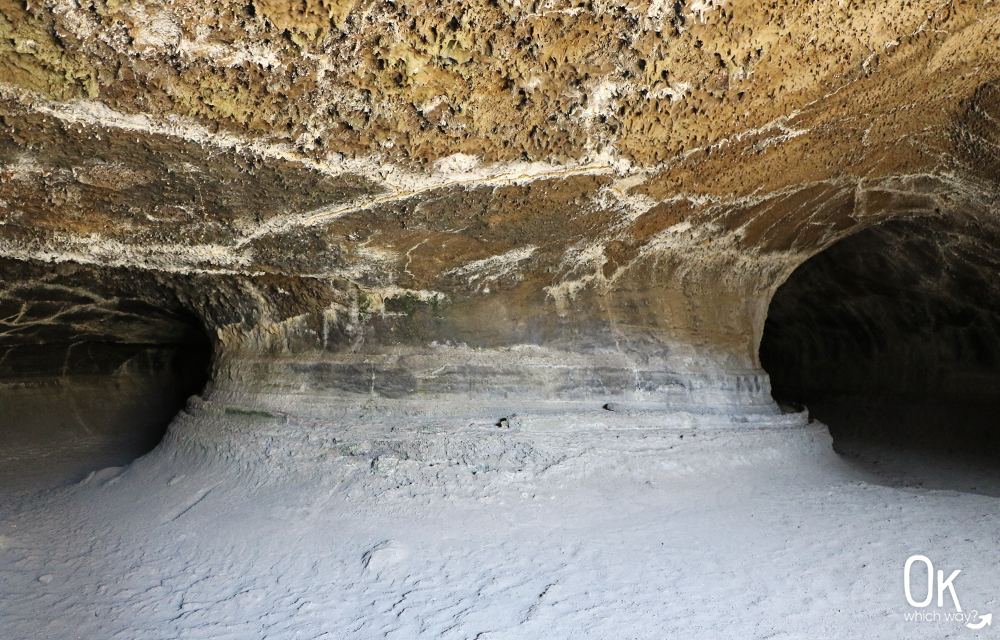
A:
x: 682, y: 157
x: 216, y: 125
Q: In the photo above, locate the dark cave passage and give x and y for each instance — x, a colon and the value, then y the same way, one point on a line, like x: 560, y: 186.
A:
x: 91, y: 372
x: 892, y: 338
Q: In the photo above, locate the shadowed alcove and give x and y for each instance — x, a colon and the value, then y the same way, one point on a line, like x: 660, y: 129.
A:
x: 892, y: 338
x: 94, y: 364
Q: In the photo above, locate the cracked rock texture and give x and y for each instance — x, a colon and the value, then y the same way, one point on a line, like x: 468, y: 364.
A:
x: 526, y: 202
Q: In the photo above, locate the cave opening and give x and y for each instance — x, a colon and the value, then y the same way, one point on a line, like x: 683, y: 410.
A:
x: 891, y: 337
x: 94, y: 365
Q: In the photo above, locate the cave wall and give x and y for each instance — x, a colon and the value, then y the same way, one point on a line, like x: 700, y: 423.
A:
x: 473, y: 207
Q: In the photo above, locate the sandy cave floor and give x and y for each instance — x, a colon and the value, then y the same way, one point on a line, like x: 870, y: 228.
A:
x: 233, y: 528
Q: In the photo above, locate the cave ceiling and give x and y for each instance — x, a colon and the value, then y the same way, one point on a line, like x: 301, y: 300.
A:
x: 447, y: 148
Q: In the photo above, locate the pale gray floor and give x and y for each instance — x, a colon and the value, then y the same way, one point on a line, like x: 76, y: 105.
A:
x: 757, y: 542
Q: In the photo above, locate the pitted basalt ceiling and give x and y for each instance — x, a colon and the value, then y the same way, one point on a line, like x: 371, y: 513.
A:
x: 214, y: 126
